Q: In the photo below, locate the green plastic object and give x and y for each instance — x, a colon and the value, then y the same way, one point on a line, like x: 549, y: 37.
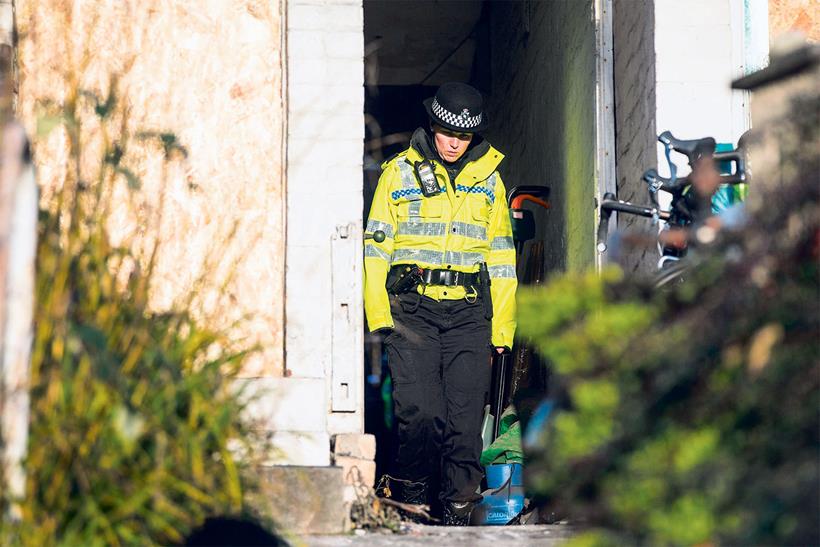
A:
x: 506, y: 448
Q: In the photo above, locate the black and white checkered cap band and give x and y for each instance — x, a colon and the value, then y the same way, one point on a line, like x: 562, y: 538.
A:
x: 462, y: 120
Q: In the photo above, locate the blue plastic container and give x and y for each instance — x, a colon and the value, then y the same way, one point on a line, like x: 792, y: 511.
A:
x: 504, y: 496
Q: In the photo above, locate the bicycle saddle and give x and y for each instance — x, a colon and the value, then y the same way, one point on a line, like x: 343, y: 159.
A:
x: 692, y: 149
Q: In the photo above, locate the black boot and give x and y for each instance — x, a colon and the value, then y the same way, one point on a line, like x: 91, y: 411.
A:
x: 457, y: 513
x: 412, y: 492
x: 403, y: 491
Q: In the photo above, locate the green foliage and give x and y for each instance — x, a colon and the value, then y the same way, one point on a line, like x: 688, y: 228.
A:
x: 692, y: 413
x: 136, y: 433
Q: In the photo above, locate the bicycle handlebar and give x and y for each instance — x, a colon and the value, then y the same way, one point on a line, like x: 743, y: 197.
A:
x: 638, y: 210
x: 610, y: 203
x: 739, y: 159
x: 654, y: 180
x: 657, y: 182
x: 692, y: 149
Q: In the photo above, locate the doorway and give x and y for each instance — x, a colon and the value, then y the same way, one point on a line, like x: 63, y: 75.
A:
x: 535, y: 64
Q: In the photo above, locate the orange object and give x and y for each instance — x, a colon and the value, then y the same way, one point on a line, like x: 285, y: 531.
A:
x: 518, y: 200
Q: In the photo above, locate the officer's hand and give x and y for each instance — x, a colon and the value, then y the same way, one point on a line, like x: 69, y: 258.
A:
x: 501, y: 350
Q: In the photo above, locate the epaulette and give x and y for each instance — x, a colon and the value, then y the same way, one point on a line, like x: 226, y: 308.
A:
x: 391, y: 158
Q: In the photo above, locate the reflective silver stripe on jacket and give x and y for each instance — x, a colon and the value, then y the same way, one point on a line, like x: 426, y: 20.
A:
x: 422, y: 228
x: 374, y: 252
x: 502, y: 271
x: 489, y: 188
x: 502, y: 243
x: 414, y: 209
x: 470, y: 230
x: 408, y: 178
x: 373, y: 225
x: 463, y: 259
x: 418, y: 255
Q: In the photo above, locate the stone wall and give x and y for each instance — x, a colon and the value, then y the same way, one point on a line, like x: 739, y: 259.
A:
x: 258, y: 107
x: 211, y: 73
x: 543, y: 105
x: 634, y: 52
x: 795, y: 15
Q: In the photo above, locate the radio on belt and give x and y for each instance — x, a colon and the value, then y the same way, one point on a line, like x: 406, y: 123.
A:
x: 427, y: 178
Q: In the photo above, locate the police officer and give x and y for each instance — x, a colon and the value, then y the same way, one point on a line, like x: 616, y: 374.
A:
x: 440, y: 282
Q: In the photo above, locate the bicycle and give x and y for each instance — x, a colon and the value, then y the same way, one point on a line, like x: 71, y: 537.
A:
x: 687, y: 208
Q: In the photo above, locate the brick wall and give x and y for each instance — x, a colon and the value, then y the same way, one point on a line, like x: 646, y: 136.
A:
x: 543, y: 105
x: 633, y: 29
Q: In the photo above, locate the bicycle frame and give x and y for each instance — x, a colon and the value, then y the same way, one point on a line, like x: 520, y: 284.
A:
x: 676, y: 186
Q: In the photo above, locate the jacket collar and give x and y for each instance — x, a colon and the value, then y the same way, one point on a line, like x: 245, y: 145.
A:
x: 479, y: 162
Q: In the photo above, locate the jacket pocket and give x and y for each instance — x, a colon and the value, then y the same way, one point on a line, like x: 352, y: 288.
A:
x: 480, y: 210
x: 418, y: 209
x: 409, y: 206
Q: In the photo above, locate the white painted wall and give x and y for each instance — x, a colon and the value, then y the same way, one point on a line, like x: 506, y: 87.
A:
x: 18, y: 185
x: 322, y: 392
x: 699, y: 51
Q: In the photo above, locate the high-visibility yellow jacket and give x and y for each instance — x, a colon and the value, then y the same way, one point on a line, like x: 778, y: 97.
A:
x: 456, y: 229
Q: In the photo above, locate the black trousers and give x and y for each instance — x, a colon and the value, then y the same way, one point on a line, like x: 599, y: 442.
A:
x: 439, y: 358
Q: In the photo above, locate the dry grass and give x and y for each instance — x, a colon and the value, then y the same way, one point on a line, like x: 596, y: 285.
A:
x: 208, y: 71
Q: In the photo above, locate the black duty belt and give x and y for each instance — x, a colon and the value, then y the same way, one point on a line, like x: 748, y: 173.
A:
x: 447, y: 278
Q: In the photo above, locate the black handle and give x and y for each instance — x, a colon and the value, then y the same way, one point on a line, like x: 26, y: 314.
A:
x: 499, y: 389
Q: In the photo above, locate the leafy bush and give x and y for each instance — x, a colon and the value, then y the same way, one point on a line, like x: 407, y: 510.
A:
x: 692, y: 413
x: 136, y: 434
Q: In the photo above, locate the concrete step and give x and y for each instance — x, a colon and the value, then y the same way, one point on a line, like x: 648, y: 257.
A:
x: 545, y: 535
x: 304, y: 499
